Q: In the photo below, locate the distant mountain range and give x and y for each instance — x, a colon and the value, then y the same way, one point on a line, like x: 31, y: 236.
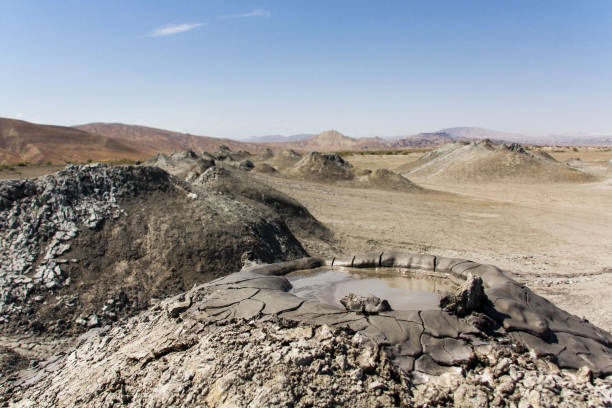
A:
x: 472, y: 133
x: 278, y: 138
x: 25, y: 141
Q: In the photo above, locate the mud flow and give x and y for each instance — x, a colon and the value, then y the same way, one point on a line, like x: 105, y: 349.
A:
x: 404, y: 290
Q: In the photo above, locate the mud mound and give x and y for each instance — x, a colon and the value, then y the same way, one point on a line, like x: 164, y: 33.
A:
x: 243, y: 187
x: 11, y: 361
x: 266, y: 154
x: 284, y: 160
x: 264, y: 168
x: 384, y: 179
x: 186, y: 165
x: 243, y: 340
x: 90, y: 244
x: 485, y: 161
x: 189, y: 166
x: 323, y: 167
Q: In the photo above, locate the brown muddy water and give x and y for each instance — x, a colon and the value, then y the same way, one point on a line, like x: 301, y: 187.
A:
x: 404, y: 290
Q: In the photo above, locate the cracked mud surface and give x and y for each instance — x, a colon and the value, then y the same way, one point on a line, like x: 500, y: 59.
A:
x: 244, y: 340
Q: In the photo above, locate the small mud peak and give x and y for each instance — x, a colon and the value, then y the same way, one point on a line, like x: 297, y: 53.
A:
x: 388, y: 180
x: 516, y: 147
x: 264, y: 168
x: 281, y: 161
x: 367, y: 305
x: 184, y: 155
x: 266, y: 154
x: 469, y: 297
x: 290, y: 154
x: 328, y: 167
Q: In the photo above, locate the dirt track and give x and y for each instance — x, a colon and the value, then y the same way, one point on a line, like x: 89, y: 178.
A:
x: 556, y: 238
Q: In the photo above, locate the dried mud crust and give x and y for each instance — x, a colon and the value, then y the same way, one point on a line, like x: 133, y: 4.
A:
x: 428, y: 341
x: 91, y: 244
x: 243, y: 340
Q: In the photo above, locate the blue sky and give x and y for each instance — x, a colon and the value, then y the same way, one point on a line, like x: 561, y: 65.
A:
x: 366, y: 68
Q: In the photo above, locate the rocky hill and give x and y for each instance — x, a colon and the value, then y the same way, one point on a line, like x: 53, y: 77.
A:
x: 90, y: 244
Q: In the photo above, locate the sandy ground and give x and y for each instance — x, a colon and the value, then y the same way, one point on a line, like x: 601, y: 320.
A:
x: 556, y: 238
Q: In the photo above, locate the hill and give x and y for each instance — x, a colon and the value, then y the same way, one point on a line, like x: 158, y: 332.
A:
x: 25, y: 141
x: 332, y: 140
x: 278, y: 138
x: 434, y: 139
x: 473, y: 133
x: 485, y: 161
x: 165, y: 141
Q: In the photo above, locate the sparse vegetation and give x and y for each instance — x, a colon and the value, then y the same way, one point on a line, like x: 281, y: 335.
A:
x: 5, y: 166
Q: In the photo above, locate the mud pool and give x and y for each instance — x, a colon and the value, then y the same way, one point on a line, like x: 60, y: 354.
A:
x: 405, y: 291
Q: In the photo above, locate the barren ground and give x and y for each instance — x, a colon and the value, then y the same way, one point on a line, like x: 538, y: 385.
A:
x: 556, y: 238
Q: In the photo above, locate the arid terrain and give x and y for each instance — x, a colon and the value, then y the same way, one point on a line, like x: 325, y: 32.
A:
x: 556, y: 237
x: 100, y: 248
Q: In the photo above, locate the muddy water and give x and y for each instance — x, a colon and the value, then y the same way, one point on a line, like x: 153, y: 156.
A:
x: 407, y: 292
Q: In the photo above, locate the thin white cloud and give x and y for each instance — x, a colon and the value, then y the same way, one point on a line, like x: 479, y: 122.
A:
x: 252, y: 13
x: 172, y: 29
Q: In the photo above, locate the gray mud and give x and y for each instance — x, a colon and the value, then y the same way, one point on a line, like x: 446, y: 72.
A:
x: 409, y: 292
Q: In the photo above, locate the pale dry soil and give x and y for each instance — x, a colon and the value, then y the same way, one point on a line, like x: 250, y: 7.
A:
x: 556, y: 238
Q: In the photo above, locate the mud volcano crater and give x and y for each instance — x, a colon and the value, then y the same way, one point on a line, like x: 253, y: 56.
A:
x: 466, y: 306
x: 400, y: 289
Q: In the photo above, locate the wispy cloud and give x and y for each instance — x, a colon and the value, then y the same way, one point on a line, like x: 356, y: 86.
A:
x: 172, y: 29
x: 252, y: 13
